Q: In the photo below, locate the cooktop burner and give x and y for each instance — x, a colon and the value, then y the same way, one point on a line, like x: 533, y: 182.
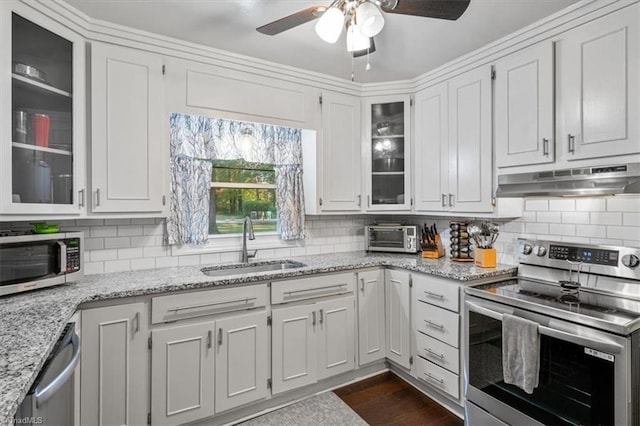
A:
x: 549, y: 298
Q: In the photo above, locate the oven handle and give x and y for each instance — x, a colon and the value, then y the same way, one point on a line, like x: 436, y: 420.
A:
x: 600, y: 344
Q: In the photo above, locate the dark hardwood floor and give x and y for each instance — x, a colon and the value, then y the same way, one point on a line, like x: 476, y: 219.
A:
x: 386, y: 399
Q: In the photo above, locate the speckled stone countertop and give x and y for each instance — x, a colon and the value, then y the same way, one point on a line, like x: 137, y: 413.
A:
x: 32, y: 322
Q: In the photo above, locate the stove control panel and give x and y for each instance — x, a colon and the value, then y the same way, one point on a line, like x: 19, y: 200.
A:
x: 607, y: 260
x: 585, y: 255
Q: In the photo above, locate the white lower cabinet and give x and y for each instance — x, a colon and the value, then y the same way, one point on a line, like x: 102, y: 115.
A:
x: 182, y: 368
x: 371, y: 318
x: 437, y: 333
x: 397, y: 304
x: 241, y: 369
x: 114, y: 383
x: 314, y: 340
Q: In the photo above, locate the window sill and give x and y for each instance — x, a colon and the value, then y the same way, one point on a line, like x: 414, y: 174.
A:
x: 233, y: 243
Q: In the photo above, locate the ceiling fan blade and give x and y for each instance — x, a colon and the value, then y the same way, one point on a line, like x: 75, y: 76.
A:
x: 291, y: 21
x: 441, y: 9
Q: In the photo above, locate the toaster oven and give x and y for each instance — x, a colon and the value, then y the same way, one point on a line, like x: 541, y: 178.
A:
x: 391, y: 238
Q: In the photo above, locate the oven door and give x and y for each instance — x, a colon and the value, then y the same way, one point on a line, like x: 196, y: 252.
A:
x: 584, y: 373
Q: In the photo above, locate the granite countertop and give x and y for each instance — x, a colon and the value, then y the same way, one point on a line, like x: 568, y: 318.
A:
x: 33, y: 321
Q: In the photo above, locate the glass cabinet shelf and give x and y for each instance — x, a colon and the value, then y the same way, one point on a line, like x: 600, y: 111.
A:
x: 37, y: 84
x: 41, y: 148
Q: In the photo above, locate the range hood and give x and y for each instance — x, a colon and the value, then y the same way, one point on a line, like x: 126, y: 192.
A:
x: 579, y: 182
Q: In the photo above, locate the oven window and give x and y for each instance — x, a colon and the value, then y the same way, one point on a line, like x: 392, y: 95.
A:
x: 391, y: 238
x: 574, y: 388
x: 22, y: 262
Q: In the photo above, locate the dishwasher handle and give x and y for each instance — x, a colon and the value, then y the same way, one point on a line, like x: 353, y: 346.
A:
x: 43, y: 394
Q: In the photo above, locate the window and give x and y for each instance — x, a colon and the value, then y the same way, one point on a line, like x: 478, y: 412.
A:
x: 238, y: 189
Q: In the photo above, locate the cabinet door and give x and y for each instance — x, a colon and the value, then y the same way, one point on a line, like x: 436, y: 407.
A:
x: 336, y: 337
x: 470, y: 147
x: 597, y: 87
x: 387, y: 153
x: 341, y: 153
x: 294, y: 346
x: 371, y: 317
x: 524, y: 107
x: 42, y: 120
x: 431, y: 148
x: 241, y: 360
x: 398, y: 331
x: 182, y: 368
x: 114, y: 383
x: 129, y: 142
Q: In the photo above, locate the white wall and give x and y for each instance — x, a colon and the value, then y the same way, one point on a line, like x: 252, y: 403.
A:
x: 132, y: 244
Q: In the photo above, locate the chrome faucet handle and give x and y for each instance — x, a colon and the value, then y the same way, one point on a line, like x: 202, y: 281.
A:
x: 252, y: 255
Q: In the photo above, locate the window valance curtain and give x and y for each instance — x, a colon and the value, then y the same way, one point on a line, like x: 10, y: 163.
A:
x: 196, y: 140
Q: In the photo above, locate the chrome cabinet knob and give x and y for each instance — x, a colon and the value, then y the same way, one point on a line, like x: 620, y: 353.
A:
x: 630, y: 260
x: 539, y: 251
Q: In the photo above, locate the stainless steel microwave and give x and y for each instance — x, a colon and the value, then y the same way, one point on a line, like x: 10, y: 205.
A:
x: 391, y: 238
x: 33, y: 261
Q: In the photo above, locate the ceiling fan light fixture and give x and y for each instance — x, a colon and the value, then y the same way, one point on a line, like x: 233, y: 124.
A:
x: 356, y: 40
x: 369, y: 19
x: 329, y: 26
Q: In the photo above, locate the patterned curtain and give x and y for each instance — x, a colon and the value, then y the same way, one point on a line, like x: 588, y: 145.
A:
x: 195, y: 141
x: 290, y: 194
x: 190, y: 177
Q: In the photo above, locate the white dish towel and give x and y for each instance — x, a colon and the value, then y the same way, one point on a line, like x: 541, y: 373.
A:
x: 520, y: 352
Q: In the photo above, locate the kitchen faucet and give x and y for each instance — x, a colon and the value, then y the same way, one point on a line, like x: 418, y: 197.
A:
x: 245, y: 253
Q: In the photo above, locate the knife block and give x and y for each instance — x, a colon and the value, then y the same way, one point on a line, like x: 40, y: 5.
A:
x: 433, y: 251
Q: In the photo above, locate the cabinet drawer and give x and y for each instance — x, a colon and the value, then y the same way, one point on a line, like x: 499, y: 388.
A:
x: 439, y: 378
x: 438, y: 323
x: 437, y: 291
x: 438, y: 352
x: 200, y: 303
x: 310, y: 288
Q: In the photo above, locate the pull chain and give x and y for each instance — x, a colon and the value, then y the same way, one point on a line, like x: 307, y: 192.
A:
x: 368, y: 66
x: 352, y: 74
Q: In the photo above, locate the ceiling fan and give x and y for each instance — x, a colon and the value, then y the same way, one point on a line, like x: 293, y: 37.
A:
x: 362, y: 18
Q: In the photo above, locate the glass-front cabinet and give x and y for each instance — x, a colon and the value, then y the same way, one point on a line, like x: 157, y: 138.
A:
x: 387, y: 151
x: 42, y: 121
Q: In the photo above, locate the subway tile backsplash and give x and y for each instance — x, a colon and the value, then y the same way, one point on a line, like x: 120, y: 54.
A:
x: 114, y: 245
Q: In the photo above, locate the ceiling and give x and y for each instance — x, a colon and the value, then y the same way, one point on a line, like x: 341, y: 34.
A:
x: 407, y: 46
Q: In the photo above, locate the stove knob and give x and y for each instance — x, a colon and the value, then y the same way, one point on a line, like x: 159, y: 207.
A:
x: 525, y: 249
x: 630, y: 260
x: 539, y: 251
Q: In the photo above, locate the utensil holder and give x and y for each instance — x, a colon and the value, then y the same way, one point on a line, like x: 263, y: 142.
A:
x: 485, y: 257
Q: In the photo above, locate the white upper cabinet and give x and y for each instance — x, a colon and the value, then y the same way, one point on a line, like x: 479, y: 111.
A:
x: 42, y: 114
x: 129, y: 131
x: 432, y: 148
x: 470, y: 145
x: 387, y: 153
x: 597, y: 87
x: 453, y: 145
x: 523, y: 103
x: 340, y: 171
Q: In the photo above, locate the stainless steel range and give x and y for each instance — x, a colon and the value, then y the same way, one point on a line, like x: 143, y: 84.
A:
x: 585, y: 301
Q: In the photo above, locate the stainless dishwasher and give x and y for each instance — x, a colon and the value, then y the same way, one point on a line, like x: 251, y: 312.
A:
x: 51, y: 399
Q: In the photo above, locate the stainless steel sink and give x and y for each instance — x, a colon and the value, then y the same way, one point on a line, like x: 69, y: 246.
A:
x: 250, y: 268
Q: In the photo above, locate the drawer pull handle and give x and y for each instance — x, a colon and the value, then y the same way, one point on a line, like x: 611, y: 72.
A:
x: 545, y: 147
x: 219, y: 336
x: 434, y: 354
x: 572, y: 143
x: 136, y: 327
x: 321, y: 316
x: 209, y: 338
x: 435, y: 325
x: 435, y: 379
x: 315, y: 288
x: 362, y: 285
x: 434, y: 295
x: 205, y: 305
x: 313, y: 320
x: 444, y: 200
